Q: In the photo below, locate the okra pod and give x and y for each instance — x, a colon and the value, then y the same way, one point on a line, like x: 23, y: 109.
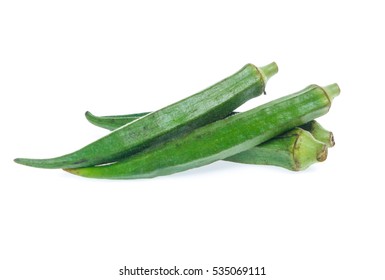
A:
x: 221, y: 139
x: 207, y: 106
x: 295, y: 150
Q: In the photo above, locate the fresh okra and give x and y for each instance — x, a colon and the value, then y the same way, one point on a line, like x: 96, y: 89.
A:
x: 221, y: 139
x: 207, y: 106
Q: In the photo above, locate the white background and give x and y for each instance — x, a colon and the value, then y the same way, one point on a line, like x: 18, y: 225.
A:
x: 61, y: 58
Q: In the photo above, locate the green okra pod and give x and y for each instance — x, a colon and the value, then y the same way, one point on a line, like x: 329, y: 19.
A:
x: 205, y: 107
x: 221, y: 139
x: 295, y: 150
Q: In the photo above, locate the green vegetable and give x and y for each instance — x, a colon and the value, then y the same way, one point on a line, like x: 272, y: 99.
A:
x: 207, y: 106
x: 295, y: 150
x: 221, y: 139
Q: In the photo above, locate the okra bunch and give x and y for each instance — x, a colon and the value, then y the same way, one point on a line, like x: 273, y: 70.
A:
x: 202, y: 129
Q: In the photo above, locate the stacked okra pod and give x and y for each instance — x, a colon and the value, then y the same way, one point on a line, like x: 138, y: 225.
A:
x: 203, y: 128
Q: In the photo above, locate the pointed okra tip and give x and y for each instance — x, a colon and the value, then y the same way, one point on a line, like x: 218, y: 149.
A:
x: 22, y: 161
x: 268, y: 71
x: 89, y: 116
x: 332, y: 91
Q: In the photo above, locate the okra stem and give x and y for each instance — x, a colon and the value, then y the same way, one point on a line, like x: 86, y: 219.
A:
x: 269, y: 70
x: 332, y: 91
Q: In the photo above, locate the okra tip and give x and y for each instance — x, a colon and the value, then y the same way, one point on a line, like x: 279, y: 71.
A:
x: 89, y: 115
x: 332, y: 91
x: 25, y: 161
x: 269, y: 70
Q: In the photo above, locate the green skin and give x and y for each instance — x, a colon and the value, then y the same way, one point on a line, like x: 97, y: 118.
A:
x: 295, y: 150
x: 221, y: 139
x: 207, y: 106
